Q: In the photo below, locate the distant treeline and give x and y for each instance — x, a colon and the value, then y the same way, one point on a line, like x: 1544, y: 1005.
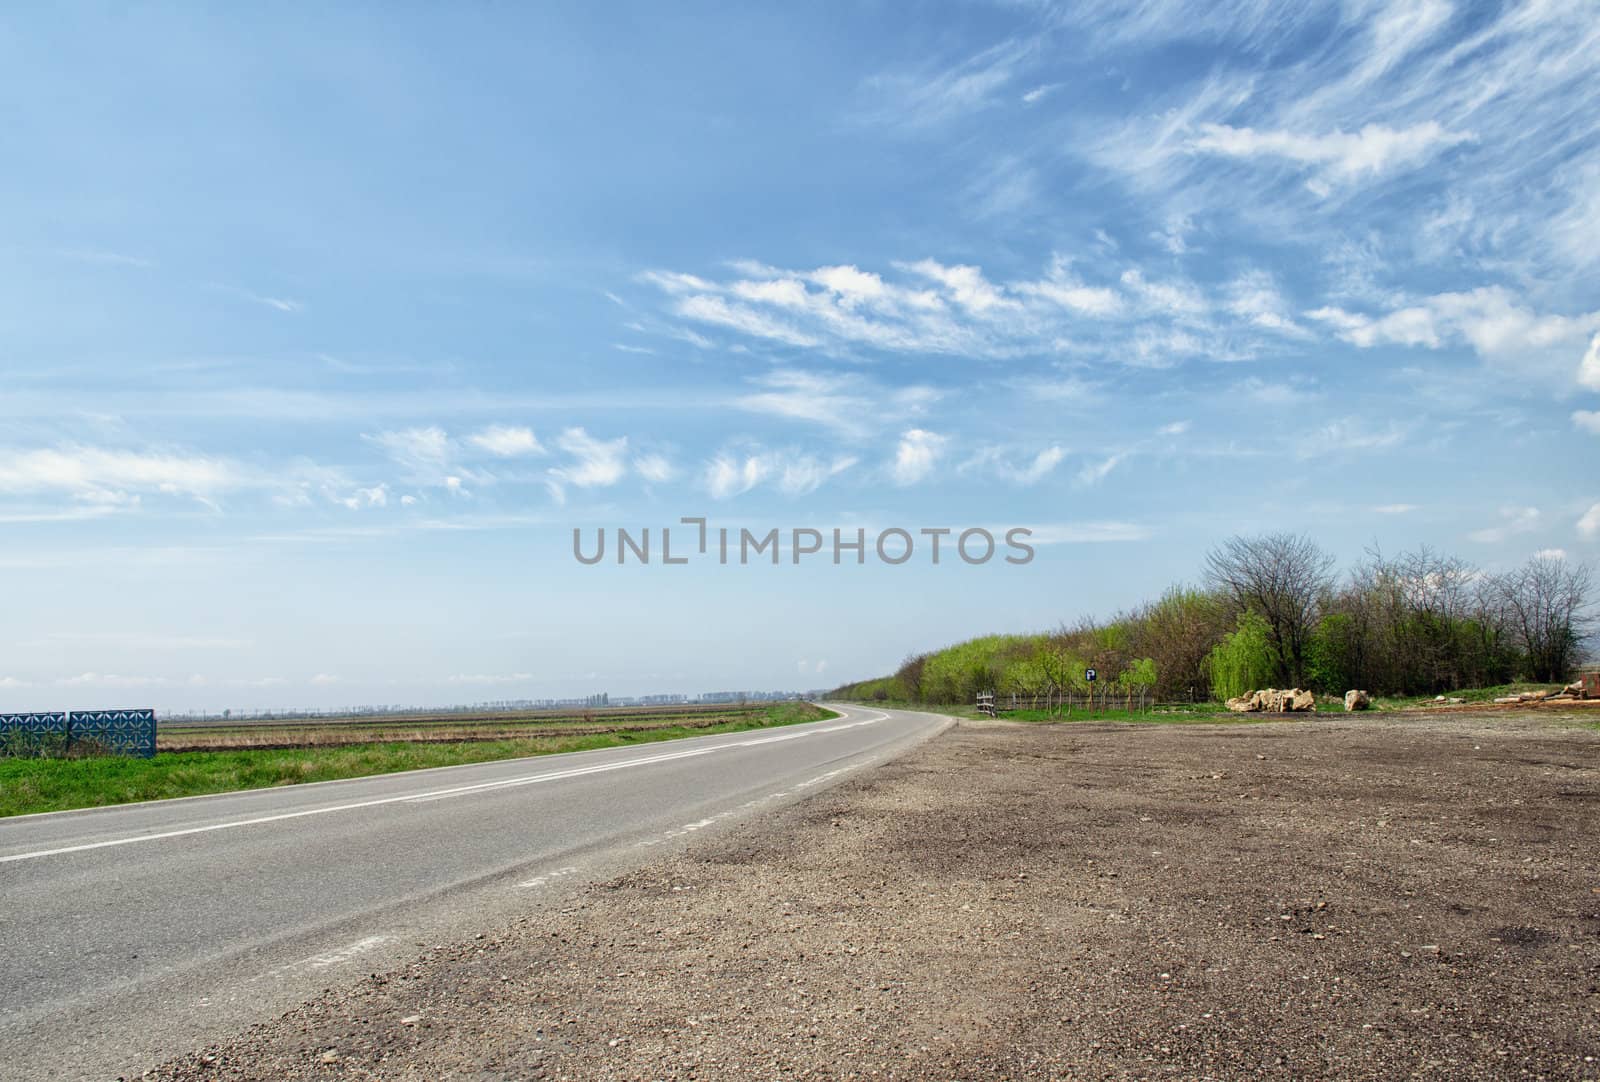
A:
x: 1272, y: 612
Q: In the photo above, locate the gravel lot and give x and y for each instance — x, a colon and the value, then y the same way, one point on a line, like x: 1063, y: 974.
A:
x: 1341, y: 897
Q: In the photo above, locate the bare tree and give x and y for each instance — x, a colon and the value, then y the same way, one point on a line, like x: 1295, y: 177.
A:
x: 1546, y: 607
x: 1178, y: 632
x: 1280, y: 577
x: 912, y: 670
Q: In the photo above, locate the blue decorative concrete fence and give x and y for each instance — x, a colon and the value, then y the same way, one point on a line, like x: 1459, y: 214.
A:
x: 121, y: 732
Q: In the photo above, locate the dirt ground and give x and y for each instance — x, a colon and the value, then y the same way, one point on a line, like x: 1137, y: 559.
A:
x: 1330, y: 898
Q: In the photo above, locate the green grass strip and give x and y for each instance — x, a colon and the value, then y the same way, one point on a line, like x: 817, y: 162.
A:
x: 44, y: 785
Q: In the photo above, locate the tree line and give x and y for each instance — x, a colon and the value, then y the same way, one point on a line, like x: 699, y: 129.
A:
x: 1271, y: 611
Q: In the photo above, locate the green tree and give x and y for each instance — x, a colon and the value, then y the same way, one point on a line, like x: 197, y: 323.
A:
x: 1245, y: 660
x: 1138, y: 678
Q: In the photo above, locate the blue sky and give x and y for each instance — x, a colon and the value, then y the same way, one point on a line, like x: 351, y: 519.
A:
x: 320, y: 332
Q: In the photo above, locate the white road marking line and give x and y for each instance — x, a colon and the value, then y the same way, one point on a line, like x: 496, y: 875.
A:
x: 820, y: 778
x: 344, y: 954
x: 690, y: 828
x: 437, y: 794
x: 541, y: 880
x: 329, y: 959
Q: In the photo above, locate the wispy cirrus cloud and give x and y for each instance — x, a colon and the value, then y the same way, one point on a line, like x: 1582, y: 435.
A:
x: 936, y: 93
x: 846, y: 402
x: 1337, y: 157
x: 507, y: 441
x: 792, y: 472
x: 108, y: 474
x: 1348, y: 435
x: 926, y: 306
x: 1484, y: 116
x: 1492, y: 320
x: 592, y: 462
x: 1016, y: 468
x: 1514, y: 521
x: 1097, y: 470
x: 426, y: 453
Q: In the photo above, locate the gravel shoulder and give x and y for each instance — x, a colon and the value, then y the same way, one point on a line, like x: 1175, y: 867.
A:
x: 1339, y: 897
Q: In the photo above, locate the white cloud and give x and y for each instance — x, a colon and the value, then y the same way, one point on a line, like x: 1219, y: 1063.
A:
x: 1589, y: 522
x: 1550, y: 554
x: 1083, y: 533
x: 933, y: 95
x: 964, y: 284
x: 594, y: 463
x: 1028, y: 472
x: 323, y: 679
x: 97, y: 471
x: 1271, y: 394
x: 1588, y: 420
x: 1065, y: 389
x: 1065, y: 289
x: 1508, y: 87
x: 742, y: 318
x: 918, y: 452
x: 1039, y: 93
x: 1174, y: 236
x: 1589, y: 367
x: 849, y: 404
x: 1513, y: 521
x: 1254, y: 298
x: 1349, y: 434
x: 491, y: 678
x: 376, y: 496
x: 1042, y: 465
x: 425, y: 452
x: 808, y: 396
x: 956, y: 310
x: 112, y: 680
x: 507, y: 441
x: 654, y: 468
x: 1490, y: 319
x: 1093, y: 473
x: 1394, y: 509
x: 1173, y: 297
x: 731, y: 476
x: 733, y: 473
x: 1176, y: 428
x: 1342, y: 156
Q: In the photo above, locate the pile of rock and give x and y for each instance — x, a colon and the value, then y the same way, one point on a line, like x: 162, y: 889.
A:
x: 1273, y: 701
x: 1357, y: 700
x: 1575, y: 690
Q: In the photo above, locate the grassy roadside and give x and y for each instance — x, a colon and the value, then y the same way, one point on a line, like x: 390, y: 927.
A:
x: 1213, y: 713
x: 43, y: 785
x: 1165, y: 714
x: 1185, y: 714
x: 1467, y: 695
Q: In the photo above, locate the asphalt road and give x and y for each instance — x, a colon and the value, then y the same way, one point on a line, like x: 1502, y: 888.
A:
x: 131, y: 934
